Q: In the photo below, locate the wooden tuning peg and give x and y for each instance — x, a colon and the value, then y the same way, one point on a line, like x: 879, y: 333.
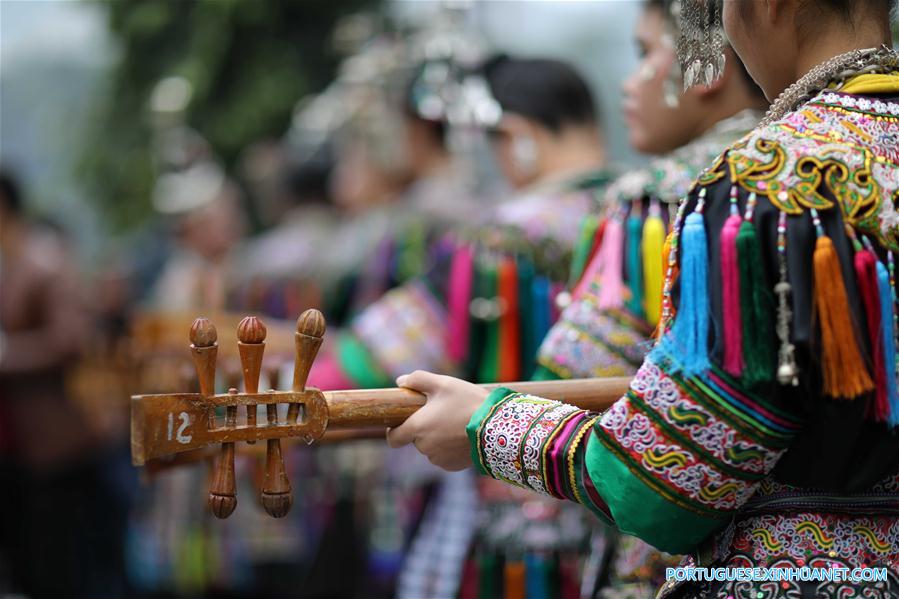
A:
x: 251, y: 334
x: 276, y: 496
x: 204, y: 350
x: 223, y: 489
x: 307, y: 341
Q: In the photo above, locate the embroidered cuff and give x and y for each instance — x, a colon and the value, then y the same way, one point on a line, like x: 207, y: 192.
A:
x: 512, y: 434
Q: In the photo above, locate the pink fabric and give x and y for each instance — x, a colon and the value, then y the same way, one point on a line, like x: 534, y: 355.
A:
x: 730, y: 300
x: 610, y: 256
x: 459, y: 298
x: 590, y: 273
x: 326, y: 373
x: 555, y: 454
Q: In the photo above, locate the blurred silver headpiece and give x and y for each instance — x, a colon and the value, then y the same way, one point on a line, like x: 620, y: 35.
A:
x: 701, y: 40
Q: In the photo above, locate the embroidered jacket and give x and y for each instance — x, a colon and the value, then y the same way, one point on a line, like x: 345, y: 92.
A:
x: 776, y: 363
x: 605, y: 334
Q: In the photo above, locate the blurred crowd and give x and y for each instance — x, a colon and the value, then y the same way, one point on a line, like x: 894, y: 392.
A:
x: 427, y: 155
x: 344, y: 206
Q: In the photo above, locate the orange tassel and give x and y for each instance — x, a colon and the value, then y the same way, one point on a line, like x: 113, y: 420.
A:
x: 514, y: 576
x: 509, y: 333
x: 666, y: 253
x: 845, y: 374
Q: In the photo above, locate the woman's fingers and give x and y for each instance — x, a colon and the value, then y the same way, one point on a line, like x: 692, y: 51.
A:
x: 421, y: 380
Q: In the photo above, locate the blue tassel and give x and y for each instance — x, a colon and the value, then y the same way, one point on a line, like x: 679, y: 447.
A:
x: 889, y: 341
x: 634, y: 261
x: 686, y: 346
x: 541, y: 307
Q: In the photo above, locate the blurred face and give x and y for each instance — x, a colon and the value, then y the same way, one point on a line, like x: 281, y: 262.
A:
x: 357, y: 183
x: 213, y: 230
x: 654, y: 126
x: 516, y: 148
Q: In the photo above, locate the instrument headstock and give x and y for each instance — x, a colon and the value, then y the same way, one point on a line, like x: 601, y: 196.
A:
x: 174, y: 423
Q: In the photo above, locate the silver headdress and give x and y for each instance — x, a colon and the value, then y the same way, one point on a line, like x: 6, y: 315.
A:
x: 701, y: 40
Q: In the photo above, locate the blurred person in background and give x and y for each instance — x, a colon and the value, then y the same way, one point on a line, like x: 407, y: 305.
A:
x: 274, y: 273
x: 203, y: 206
x: 549, y: 146
x: 61, y: 523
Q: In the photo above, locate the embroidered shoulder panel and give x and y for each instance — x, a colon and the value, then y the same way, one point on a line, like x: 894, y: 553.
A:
x: 837, y: 151
x: 703, y: 450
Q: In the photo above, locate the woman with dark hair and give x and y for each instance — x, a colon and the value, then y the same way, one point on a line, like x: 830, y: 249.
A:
x: 759, y: 431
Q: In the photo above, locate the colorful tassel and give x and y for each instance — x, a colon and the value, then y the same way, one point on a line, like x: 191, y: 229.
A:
x: 887, y: 283
x: 593, y: 270
x: 597, y: 239
x: 672, y: 270
x: 730, y: 293
x: 529, y: 342
x: 514, y: 580
x: 888, y: 344
x: 542, y: 312
x: 756, y: 307
x: 686, y: 346
x: 611, y: 289
x: 865, y: 263
x: 509, y: 364
x: 489, y: 586
x: 845, y: 374
x: 458, y: 302
x: 538, y: 575
x: 582, y: 248
x: 653, y: 261
x: 634, y: 264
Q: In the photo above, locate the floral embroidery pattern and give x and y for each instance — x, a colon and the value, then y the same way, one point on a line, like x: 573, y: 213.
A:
x: 681, y: 447
x: 834, y: 152
x: 588, y: 342
x: 404, y: 331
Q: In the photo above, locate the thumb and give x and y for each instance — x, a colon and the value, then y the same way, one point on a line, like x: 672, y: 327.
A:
x: 421, y: 380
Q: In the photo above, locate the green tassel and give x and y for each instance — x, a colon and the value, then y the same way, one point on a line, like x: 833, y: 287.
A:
x: 488, y: 369
x: 582, y: 249
x: 756, y: 308
x: 487, y: 576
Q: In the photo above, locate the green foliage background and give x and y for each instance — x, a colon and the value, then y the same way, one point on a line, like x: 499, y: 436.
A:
x: 249, y: 61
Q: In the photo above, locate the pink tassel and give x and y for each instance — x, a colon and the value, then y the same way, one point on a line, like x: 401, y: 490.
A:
x: 590, y: 274
x: 730, y: 300
x: 610, y: 256
x: 458, y: 300
x: 866, y: 272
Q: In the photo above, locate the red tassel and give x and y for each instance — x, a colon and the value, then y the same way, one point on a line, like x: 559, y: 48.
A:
x: 866, y: 271
x: 730, y: 278
x: 509, y: 333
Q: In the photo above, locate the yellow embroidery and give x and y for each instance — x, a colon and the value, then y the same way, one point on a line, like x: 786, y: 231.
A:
x: 664, y: 460
x: 875, y: 543
x: 822, y: 539
x: 767, y: 539
x: 711, y: 493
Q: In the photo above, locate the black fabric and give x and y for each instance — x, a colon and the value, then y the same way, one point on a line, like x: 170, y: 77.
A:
x: 838, y: 449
